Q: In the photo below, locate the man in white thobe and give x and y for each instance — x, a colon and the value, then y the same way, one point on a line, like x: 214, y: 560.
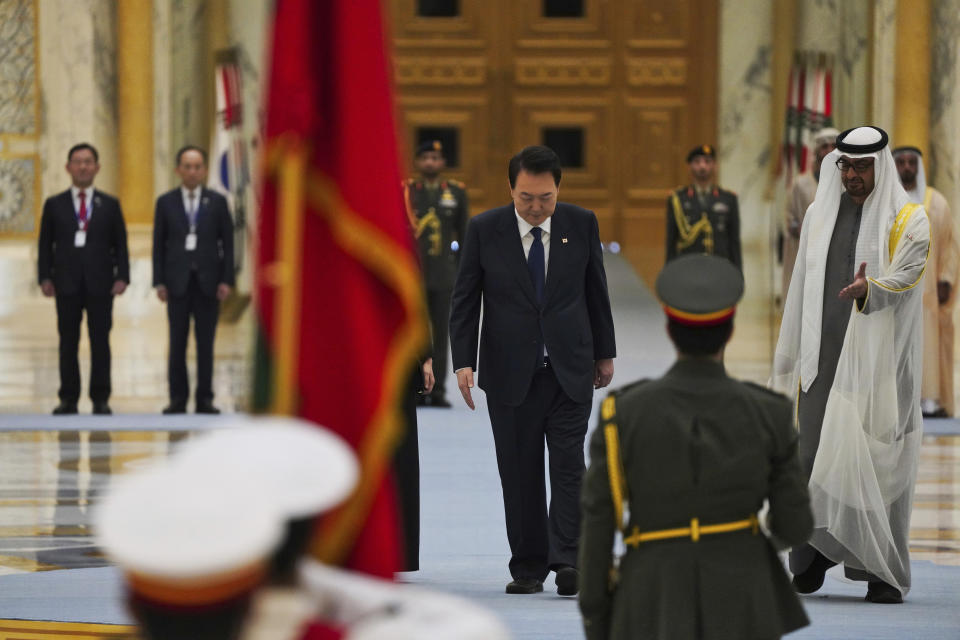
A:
x: 850, y: 351
x: 938, y: 292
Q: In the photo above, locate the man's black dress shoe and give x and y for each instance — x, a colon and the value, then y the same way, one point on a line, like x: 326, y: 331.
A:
x: 101, y: 409
x: 567, y: 578
x: 525, y: 585
x: 174, y: 408
x: 883, y: 593
x: 442, y: 403
x: 812, y: 579
x: 65, y: 409
x: 206, y: 407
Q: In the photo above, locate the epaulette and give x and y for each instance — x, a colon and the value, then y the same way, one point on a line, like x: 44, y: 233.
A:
x: 457, y: 183
x: 733, y: 193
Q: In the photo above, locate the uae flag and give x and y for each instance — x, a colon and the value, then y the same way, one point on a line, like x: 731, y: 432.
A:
x: 338, y: 295
x: 809, y: 109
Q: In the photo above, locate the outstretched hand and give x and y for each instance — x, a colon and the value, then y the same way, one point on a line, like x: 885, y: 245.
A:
x: 858, y: 288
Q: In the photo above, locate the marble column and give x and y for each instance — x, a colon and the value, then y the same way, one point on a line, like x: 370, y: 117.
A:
x: 912, y: 75
x: 19, y: 118
x: 135, y: 109
x: 943, y: 161
x: 746, y: 150
x: 164, y: 177
x: 883, y: 53
x: 78, y: 87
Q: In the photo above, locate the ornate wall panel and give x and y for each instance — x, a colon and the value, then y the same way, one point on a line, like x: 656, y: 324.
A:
x: 471, y: 116
x: 632, y: 83
x: 440, y: 72
x: 563, y: 72
x: 531, y: 29
x: 658, y: 24
x: 19, y: 118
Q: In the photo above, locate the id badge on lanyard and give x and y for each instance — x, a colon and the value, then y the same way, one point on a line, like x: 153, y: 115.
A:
x: 80, y: 236
x: 191, y: 244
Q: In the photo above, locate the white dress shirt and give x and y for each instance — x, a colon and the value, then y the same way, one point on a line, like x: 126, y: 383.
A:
x: 526, y: 239
x: 87, y: 195
x: 191, y: 206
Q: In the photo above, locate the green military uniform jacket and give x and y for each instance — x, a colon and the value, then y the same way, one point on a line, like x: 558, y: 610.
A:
x: 439, y: 216
x: 711, y: 226
x: 694, y: 443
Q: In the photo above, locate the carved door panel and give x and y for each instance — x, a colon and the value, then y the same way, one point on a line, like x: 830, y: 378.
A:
x: 620, y: 88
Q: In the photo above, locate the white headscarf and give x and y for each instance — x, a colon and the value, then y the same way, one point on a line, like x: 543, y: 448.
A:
x: 863, y: 476
x: 919, y: 191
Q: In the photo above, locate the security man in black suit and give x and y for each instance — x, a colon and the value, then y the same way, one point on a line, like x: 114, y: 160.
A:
x: 83, y: 261
x: 702, y: 217
x: 192, y: 273
x: 439, y: 211
x: 547, y: 342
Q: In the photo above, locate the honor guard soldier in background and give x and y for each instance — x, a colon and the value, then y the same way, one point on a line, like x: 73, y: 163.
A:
x: 681, y: 466
x: 439, y: 212
x: 702, y: 217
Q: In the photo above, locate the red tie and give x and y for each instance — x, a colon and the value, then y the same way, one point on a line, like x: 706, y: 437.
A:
x: 82, y: 215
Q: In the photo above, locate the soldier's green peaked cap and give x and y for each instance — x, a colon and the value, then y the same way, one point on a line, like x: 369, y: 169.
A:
x: 699, y: 290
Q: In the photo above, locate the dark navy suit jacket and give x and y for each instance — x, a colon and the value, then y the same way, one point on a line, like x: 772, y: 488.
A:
x: 574, y: 319
x: 214, y: 253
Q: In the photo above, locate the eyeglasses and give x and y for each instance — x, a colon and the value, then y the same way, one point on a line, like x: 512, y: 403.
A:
x: 859, y: 167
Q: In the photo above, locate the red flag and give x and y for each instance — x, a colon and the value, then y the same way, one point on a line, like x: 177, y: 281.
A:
x: 339, y: 303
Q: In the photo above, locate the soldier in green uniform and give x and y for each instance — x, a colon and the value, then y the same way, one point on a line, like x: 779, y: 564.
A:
x: 681, y: 466
x: 438, y: 211
x: 702, y: 217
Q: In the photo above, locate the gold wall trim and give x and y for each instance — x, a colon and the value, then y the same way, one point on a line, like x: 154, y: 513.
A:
x: 657, y: 72
x: 39, y: 630
x: 444, y: 72
x: 134, y: 33
x: 563, y: 72
x: 911, y: 112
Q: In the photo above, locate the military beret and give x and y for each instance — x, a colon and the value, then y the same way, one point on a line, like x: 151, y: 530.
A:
x: 701, y: 150
x: 429, y: 145
x: 699, y: 290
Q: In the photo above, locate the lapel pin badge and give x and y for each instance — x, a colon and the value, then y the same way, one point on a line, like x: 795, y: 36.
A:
x: 563, y: 240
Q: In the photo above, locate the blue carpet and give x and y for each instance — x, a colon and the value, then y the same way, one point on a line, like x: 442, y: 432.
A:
x: 464, y: 546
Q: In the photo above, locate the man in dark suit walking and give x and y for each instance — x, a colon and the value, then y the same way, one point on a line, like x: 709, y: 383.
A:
x: 192, y: 273
x: 83, y: 262
x: 547, y: 341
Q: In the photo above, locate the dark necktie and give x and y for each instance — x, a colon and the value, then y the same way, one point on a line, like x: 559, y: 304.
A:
x: 536, y: 264
x: 537, y: 267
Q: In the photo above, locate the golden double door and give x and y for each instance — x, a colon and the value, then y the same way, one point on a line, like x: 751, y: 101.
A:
x: 620, y: 88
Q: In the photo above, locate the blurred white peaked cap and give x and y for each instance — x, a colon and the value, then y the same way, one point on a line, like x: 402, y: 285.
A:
x: 305, y: 468
x: 180, y: 540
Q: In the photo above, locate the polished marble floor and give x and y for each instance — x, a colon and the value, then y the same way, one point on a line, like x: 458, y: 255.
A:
x: 49, y: 479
